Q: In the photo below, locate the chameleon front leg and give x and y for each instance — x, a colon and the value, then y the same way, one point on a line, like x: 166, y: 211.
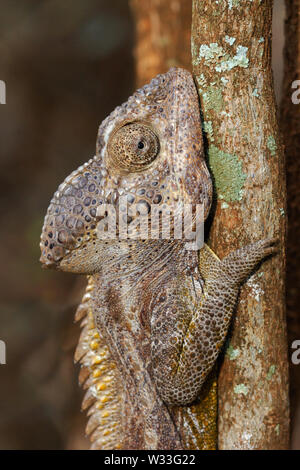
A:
x: 188, y: 325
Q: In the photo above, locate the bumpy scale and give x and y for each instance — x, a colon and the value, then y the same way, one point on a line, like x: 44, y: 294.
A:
x: 154, y: 318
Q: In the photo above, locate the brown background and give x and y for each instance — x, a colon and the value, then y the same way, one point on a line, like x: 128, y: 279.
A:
x: 66, y: 66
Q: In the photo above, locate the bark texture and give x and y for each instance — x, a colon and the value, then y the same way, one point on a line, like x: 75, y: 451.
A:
x: 163, y: 33
x: 231, y: 53
x: 290, y: 123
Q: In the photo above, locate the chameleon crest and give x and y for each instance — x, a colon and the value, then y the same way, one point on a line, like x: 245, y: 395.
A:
x: 153, y: 318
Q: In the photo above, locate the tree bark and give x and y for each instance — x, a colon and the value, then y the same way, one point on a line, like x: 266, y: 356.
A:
x: 231, y: 51
x: 290, y: 124
x: 163, y: 34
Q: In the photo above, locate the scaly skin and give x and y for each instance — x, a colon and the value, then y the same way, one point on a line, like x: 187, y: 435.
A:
x: 154, y: 318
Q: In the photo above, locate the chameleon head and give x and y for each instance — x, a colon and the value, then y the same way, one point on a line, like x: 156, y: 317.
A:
x: 149, y: 151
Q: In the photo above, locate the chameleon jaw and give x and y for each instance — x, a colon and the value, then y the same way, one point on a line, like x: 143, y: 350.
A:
x: 52, y: 251
x: 49, y: 263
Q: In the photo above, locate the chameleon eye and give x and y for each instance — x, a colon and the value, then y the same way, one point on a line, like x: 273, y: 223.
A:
x: 133, y: 147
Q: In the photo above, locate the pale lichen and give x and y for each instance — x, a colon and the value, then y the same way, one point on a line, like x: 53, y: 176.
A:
x: 271, y: 144
x: 208, y: 129
x: 240, y: 59
x: 271, y: 372
x: 210, y: 52
x: 214, y: 54
x: 241, y: 389
x: 230, y: 40
x: 257, y: 291
x: 228, y: 174
x: 201, y: 80
x: 232, y: 353
x: 233, y: 3
x: 213, y: 98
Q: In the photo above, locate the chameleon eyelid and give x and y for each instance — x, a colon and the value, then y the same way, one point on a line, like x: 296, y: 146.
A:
x: 135, y: 150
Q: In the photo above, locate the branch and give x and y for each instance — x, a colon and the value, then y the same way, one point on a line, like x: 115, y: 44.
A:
x: 231, y: 62
x: 163, y: 33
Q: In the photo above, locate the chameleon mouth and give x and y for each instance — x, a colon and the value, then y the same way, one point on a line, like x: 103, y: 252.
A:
x: 47, y: 264
x: 51, y: 258
x: 55, y: 243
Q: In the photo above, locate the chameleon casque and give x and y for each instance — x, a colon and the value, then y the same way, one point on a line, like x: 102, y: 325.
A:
x: 154, y: 315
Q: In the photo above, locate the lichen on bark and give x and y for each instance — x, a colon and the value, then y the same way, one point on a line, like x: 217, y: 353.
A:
x: 231, y: 53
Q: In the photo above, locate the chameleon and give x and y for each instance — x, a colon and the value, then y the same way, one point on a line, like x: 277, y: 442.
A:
x: 155, y: 313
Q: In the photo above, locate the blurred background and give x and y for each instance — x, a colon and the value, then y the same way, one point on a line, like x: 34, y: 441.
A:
x: 67, y: 65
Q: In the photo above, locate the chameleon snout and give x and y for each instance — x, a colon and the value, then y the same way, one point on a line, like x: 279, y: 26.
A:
x: 63, y: 231
x: 53, y: 244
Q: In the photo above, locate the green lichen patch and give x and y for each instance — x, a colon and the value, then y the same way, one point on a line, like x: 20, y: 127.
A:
x: 208, y: 129
x: 232, y: 353
x: 201, y: 80
x: 271, y: 144
x: 210, y: 52
x: 240, y: 59
x: 213, y: 98
x: 224, y: 80
x: 271, y: 372
x: 228, y: 174
x: 241, y: 389
x: 214, y: 54
x: 230, y: 40
x: 232, y: 3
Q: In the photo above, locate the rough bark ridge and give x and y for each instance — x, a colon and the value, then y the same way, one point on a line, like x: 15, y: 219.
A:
x: 163, y: 31
x: 290, y: 124
x: 231, y: 60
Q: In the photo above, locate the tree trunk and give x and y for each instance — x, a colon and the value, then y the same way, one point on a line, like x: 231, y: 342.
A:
x: 163, y: 33
x: 231, y: 53
x: 290, y: 124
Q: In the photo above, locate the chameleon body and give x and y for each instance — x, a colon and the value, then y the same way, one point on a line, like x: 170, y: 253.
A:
x: 154, y: 316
